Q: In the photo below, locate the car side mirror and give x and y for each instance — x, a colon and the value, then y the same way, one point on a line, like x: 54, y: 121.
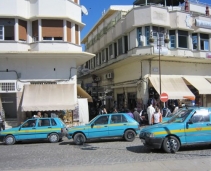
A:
x: 190, y: 121
x: 20, y: 128
x: 92, y: 125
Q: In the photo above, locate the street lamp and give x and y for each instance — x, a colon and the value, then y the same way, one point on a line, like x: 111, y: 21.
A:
x: 161, y: 37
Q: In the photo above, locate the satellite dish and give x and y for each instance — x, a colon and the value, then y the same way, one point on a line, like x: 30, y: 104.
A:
x: 84, y: 10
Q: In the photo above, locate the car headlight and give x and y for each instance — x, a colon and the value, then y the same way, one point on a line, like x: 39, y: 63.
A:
x: 149, y: 134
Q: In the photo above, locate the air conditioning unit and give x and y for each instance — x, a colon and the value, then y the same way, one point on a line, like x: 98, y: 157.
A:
x: 111, y: 56
x: 97, y: 79
x: 109, y: 75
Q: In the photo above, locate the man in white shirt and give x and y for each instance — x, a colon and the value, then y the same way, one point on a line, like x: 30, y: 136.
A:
x: 150, y: 112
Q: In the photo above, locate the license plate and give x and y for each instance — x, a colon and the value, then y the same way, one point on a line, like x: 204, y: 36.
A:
x: 143, y: 141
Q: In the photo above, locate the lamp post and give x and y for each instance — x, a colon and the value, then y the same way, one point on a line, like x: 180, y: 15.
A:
x: 159, y: 46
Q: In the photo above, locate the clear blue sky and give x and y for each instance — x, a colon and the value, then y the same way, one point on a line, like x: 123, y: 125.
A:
x: 96, y: 7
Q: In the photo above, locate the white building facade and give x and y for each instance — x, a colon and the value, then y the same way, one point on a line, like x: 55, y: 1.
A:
x: 142, y: 51
x: 40, y: 51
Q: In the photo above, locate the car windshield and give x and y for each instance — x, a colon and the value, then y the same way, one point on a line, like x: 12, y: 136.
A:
x: 92, y: 120
x: 180, y: 116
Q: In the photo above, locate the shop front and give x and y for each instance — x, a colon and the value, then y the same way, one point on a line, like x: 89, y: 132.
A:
x: 181, y: 89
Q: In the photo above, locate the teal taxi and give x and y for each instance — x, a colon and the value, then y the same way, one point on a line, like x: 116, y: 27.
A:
x: 189, y: 126
x: 105, y: 126
x: 52, y: 129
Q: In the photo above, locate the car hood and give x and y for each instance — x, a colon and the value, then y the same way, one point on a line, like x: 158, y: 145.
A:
x: 10, y: 130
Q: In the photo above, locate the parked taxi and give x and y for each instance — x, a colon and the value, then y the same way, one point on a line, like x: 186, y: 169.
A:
x: 105, y: 126
x: 52, y: 129
x: 187, y: 127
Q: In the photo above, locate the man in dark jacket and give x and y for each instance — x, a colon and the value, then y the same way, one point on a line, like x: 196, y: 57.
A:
x: 136, y: 116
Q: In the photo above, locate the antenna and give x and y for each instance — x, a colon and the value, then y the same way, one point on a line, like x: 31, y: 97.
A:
x: 84, y: 10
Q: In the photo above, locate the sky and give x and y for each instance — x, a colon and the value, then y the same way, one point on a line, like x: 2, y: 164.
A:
x: 96, y: 7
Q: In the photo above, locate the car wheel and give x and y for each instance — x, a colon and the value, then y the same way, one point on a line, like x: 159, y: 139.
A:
x: 79, y: 139
x: 171, y: 144
x: 129, y: 135
x: 53, y: 138
x: 9, y: 140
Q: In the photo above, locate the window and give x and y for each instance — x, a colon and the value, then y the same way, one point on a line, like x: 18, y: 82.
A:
x: 195, y: 40
x: 106, y: 57
x: 120, y: 50
x: 201, y: 116
x: 182, y: 39
x: 147, y: 34
x: 103, y: 56
x: 101, y: 120
x: 204, y: 41
x: 110, y: 50
x: 158, y: 35
x: 53, y: 122
x: 115, y: 49
x: 118, y: 119
x: 99, y: 58
x: 139, y: 34
x: 44, y: 122
x: 52, y: 38
x: 126, y: 44
x: 1, y: 32
x: 29, y: 123
x: 172, y: 38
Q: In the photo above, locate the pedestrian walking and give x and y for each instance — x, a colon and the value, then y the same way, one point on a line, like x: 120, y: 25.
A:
x: 157, y: 116
x: 150, y: 112
x: 136, y: 116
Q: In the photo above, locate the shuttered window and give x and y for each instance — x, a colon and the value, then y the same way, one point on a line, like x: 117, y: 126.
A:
x: 77, y: 34
x: 35, y: 30
x: 68, y: 31
x: 22, y: 30
x: 52, y: 28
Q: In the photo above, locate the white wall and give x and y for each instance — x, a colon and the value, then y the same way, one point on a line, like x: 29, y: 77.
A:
x: 51, y: 47
x: 133, y: 39
x: 37, y: 68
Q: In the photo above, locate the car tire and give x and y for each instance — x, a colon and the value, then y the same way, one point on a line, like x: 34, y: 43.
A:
x: 79, y: 139
x: 171, y: 144
x: 53, y: 138
x: 9, y: 140
x: 129, y: 135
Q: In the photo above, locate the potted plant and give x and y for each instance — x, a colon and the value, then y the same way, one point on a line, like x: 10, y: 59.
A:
x: 166, y: 40
x: 151, y: 40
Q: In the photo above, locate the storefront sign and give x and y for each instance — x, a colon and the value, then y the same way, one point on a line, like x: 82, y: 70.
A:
x: 203, y: 24
x: 208, y: 55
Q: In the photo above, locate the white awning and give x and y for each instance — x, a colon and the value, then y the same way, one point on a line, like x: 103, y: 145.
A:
x: 200, y: 83
x: 173, y: 85
x: 47, y: 97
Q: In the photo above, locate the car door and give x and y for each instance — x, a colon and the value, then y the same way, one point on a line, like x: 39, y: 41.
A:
x: 27, y: 130
x: 99, y: 128
x: 118, y: 124
x: 43, y: 128
x: 198, y: 129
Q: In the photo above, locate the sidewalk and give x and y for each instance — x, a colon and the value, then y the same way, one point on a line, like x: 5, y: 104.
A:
x: 170, y: 165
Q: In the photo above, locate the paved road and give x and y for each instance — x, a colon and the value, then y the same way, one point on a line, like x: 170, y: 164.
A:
x: 65, y: 154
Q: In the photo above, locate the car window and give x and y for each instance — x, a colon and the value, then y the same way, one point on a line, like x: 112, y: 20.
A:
x: 201, y: 116
x: 29, y: 123
x: 53, y: 122
x: 44, y: 122
x: 118, y: 119
x: 101, y: 120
